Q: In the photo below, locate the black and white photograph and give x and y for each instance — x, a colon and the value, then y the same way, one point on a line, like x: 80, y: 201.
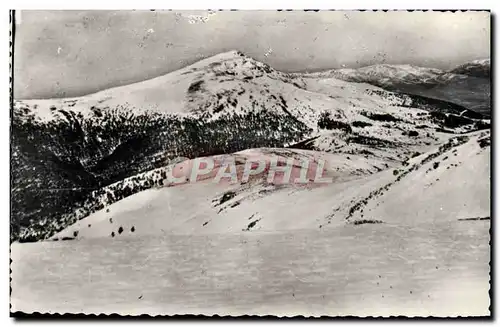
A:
x: 284, y: 163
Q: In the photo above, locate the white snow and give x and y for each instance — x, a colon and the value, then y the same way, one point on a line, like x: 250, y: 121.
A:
x: 267, y: 248
x: 423, y: 196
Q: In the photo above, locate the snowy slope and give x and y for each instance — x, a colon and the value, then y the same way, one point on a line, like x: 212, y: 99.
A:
x: 467, y: 85
x: 75, y: 149
x: 388, y: 234
x: 448, y: 184
x: 420, y: 191
x: 211, y: 206
x: 235, y: 82
x: 388, y: 75
x: 171, y: 93
x: 365, y: 270
x: 477, y: 68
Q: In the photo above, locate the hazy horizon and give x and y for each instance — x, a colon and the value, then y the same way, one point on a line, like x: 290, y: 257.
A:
x: 73, y: 53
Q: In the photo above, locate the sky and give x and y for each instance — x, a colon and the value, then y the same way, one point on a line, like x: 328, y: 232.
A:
x: 73, y: 53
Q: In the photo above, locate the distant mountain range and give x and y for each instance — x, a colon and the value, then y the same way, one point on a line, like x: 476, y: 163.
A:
x: 467, y: 85
x: 75, y: 157
x: 477, y: 68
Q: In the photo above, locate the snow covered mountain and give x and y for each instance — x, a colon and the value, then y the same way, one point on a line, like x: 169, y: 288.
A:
x: 435, y: 187
x: 467, y: 85
x: 386, y: 75
x: 74, y: 158
x: 476, y: 68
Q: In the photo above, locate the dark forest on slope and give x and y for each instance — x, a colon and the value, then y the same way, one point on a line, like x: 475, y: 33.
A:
x: 58, y: 163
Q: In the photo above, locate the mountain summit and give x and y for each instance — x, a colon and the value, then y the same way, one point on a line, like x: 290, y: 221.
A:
x: 95, y: 150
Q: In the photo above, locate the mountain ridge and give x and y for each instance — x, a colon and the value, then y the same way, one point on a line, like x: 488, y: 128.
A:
x: 68, y: 152
x: 467, y: 85
x: 236, y: 53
